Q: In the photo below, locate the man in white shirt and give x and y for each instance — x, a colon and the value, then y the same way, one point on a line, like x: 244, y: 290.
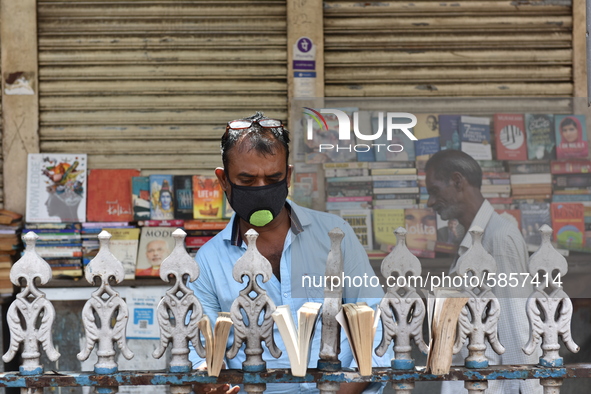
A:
x: 453, y: 181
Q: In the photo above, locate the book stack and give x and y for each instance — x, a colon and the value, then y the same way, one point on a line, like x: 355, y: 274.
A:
x: 10, y: 245
x: 60, y: 244
x: 201, y: 231
x: 89, y: 235
x: 530, y: 180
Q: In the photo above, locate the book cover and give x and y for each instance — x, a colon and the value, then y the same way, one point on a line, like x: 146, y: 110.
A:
x: 510, y: 137
x: 109, y: 195
x: 140, y: 197
x: 155, y: 245
x: 533, y: 217
x: 124, y: 245
x: 529, y: 167
x: 571, y: 137
x: 360, y: 221
x: 426, y: 147
x: 207, y: 197
x: 56, y: 187
x: 427, y: 126
x: 421, y: 231
x: 449, y: 235
x: 568, y: 224
x: 161, y: 197
x: 449, y: 132
x: 183, y: 196
x: 227, y: 210
x: 327, y: 136
x: 400, y: 148
x: 565, y: 182
x: 385, y: 222
x: 541, y: 139
x: 475, y: 137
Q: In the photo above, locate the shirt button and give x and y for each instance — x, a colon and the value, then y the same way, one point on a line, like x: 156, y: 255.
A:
x: 285, y: 295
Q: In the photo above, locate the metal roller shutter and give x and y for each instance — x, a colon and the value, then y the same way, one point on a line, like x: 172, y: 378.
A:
x: 150, y: 84
x: 443, y: 49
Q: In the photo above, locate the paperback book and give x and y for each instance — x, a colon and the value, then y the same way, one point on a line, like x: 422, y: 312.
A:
x: 449, y: 132
x: 124, y: 246
x: 533, y: 217
x: 475, y: 137
x: 359, y: 321
x: 297, y: 340
x: 183, y: 196
x: 140, y: 197
x: 109, y: 195
x: 215, y: 341
x: 510, y: 137
x: 568, y: 224
x: 541, y: 139
x: 155, y: 245
x: 360, y: 221
x: 161, y: 197
x: 385, y: 222
x: 571, y: 137
x: 56, y: 187
x: 421, y: 231
x: 207, y: 197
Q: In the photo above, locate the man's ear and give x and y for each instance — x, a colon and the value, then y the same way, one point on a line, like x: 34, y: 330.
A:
x: 221, y: 175
x: 457, y: 181
x: 289, y: 172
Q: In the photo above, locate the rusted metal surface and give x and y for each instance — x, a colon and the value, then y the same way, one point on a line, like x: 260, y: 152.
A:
x: 347, y: 375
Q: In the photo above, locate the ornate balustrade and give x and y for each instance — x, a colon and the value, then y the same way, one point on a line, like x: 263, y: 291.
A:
x: 31, y: 316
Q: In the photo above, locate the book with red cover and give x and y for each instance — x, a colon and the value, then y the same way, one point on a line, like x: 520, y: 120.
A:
x: 571, y: 137
x: 568, y: 223
x: 510, y: 137
x: 109, y: 195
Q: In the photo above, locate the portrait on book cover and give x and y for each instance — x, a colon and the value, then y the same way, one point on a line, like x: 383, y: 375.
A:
x: 571, y: 137
x: 56, y: 188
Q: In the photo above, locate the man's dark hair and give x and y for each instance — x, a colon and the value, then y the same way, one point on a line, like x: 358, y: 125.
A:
x: 444, y: 163
x: 263, y: 140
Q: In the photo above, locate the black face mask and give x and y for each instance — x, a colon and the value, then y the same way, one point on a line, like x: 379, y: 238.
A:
x: 258, y: 205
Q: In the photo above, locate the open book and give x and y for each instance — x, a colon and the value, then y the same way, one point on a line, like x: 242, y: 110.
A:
x: 215, y: 341
x: 297, y: 341
x: 443, y: 309
x: 359, y: 322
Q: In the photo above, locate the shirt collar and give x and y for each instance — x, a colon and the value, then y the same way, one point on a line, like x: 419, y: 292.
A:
x: 481, y: 220
x: 297, y: 216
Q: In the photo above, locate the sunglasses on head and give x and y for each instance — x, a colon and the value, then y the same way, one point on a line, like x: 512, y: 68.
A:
x: 246, y: 123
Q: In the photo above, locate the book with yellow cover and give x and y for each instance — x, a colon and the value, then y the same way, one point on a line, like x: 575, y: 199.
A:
x: 207, y: 197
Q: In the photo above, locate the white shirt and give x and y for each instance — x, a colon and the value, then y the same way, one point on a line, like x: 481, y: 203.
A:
x: 506, y: 244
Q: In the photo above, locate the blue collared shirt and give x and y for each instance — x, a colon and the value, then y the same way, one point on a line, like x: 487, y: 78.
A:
x: 306, y: 246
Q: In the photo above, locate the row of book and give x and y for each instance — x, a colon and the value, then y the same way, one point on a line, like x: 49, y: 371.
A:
x: 60, y: 188
x: 68, y: 247
x: 516, y: 137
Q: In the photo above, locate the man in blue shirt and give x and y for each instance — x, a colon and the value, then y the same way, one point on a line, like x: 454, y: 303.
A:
x: 294, y: 239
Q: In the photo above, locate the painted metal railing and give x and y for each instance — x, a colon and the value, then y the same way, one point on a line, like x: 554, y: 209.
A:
x: 105, y: 314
